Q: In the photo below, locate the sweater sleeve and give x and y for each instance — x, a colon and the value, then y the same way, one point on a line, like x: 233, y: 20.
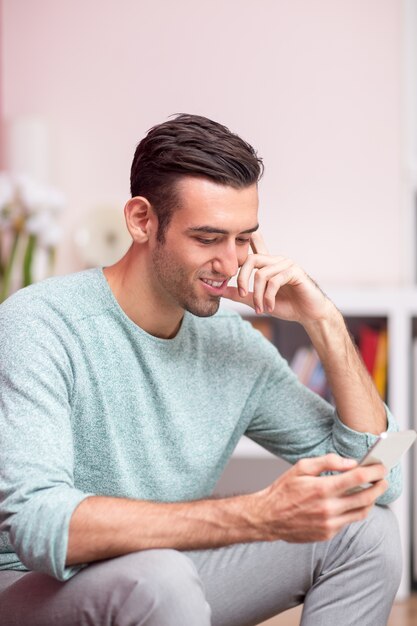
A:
x: 293, y: 422
x: 37, y: 493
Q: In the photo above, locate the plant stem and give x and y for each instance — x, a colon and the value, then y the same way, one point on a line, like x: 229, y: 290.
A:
x: 5, y: 288
x: 27, y: 261
x: 51, y: 260
x: 1, y: 256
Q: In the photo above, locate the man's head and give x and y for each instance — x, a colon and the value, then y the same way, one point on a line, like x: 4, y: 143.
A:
x: 189, y: 145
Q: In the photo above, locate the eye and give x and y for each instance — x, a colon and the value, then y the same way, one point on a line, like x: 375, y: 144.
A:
x: 242, y: 241
x: 206, y: 241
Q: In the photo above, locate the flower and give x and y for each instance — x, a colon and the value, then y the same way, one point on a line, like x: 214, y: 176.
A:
x: 29, y: 214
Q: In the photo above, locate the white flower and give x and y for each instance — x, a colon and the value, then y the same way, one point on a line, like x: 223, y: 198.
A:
x: 37, y: 223
x: 51, y: 236
x: 31, y: 194
x: 56, y: 200
x: 44, y: 226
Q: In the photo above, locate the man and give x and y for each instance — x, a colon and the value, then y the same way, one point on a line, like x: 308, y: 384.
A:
x: 124, y: 393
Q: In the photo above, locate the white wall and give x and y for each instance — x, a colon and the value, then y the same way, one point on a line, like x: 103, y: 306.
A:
x: 313, y: 84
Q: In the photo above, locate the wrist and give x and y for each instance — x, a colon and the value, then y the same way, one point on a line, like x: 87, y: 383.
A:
x: 329, y: 325
x: 245, y: 520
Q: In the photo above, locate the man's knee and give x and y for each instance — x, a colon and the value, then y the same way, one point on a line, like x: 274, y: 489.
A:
x: 378, y: 538
x: 163, y: 588
x: 148, y: 588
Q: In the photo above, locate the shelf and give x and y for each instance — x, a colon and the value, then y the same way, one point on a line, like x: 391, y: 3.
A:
x: 362, y: 302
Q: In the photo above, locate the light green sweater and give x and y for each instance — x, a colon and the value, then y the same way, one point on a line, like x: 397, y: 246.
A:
x: 92, y: 404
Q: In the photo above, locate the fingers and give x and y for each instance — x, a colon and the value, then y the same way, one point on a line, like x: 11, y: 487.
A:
x: 360, y: 475
x: 364, y: 497
x: 232, y: 293
x: 253, y: 261
x: 269, y: 280
x: 336, y: 490
x: 327, y: 463
x: 332, y: 524
x: 257, y: 243
x: 267, y: 266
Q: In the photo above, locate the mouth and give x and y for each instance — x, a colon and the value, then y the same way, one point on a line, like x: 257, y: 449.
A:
x: 215, y: 287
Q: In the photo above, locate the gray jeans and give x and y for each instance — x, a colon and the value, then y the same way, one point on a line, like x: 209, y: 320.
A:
x: 348, y: 581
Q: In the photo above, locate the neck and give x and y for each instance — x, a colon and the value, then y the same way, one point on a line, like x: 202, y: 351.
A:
x: 132, y: 284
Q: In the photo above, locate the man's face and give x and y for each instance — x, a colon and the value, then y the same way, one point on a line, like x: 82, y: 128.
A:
x: 205, y: 243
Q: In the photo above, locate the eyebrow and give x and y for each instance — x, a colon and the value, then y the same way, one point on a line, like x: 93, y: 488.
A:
x: 221, y: 231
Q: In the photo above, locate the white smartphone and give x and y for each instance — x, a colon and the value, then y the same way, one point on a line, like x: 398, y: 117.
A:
x: 388, y: 450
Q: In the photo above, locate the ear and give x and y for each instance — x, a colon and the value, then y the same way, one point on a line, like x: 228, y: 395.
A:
x: 140, y: 219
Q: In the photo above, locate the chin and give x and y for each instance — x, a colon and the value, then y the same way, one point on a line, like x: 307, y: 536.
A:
x: 203, y: 309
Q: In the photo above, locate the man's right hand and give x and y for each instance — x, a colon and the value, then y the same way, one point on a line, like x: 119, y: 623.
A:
x: 303, y: 506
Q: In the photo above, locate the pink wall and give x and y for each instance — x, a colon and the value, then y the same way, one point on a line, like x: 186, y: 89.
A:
x: 2, y: 164
x: 314, y: 84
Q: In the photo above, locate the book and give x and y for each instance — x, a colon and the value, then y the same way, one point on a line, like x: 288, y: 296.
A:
x: 368, y: 345
x: 379, y: 373
x: 309, y: 370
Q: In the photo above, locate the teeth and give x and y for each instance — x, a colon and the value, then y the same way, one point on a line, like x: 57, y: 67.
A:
x: 212, y: 283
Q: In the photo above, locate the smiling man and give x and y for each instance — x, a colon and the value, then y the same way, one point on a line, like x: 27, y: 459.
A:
x: 124, y: 392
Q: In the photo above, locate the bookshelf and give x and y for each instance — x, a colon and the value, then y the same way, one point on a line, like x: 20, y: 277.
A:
x: 395, y: 309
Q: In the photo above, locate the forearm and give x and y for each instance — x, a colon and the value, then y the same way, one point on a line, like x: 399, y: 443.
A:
x: 104, y: 527
x: 357, y: 400
x: 301, y: 506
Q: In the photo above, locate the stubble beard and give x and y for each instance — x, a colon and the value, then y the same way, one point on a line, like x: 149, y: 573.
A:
x: 175, y: 281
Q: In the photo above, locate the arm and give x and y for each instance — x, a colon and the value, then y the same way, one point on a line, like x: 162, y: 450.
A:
x: 358, y: 403
x: 284, y: 290
x: 37, y: 492
x: 300, y: 506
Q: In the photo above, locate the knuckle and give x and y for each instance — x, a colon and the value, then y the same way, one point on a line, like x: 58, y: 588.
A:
x: 362, y: 476
x: 302, y: 466
x: 320, y: 491
x: 325, y: 512
x: 275, y: 281
x: 259, y: 277
x: 332, y: 457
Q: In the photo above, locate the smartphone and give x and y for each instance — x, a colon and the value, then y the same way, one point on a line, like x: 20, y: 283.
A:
x: 388, y: 450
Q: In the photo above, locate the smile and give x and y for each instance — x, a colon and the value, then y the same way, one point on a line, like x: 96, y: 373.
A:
x: 213, y: 283
x: 214, y: 287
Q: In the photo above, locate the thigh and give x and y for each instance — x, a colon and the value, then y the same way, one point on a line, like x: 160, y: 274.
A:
x: 36, y: 599
x: 8, y: 577
x: 246, y: 584
x: 152, y: 587
x: 243, y: 584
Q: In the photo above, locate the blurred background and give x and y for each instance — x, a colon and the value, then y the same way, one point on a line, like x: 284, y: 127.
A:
x: 325, y: 90
x: 318, y: 87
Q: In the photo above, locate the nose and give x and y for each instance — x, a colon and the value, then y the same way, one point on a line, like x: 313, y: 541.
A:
x: 227, y: 262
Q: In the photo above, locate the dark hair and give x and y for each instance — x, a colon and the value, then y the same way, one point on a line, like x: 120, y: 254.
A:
x: 189, y: 145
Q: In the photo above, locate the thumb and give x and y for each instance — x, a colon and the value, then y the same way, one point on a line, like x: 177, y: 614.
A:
x: 232, y: 293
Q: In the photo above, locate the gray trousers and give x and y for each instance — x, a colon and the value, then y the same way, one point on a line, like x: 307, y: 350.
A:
x: 350, y: 580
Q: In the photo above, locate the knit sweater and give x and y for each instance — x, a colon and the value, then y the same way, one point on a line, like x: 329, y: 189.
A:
x: 92, y: 404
